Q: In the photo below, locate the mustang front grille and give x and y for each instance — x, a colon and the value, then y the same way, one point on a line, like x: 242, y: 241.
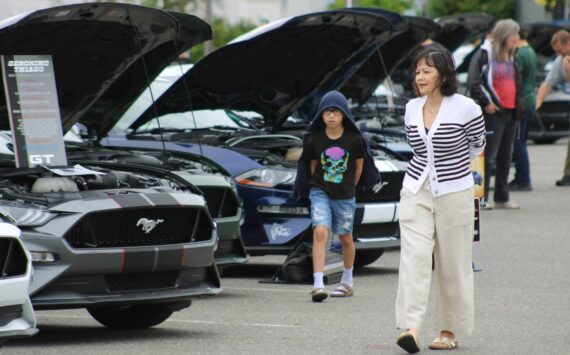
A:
x: 221, y: 202
x: 13, y: 259
x: 390, y: 192
x: 139, y: 227
x: 142, y: 281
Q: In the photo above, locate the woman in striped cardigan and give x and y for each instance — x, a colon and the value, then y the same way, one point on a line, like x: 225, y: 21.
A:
x: 445, y: 130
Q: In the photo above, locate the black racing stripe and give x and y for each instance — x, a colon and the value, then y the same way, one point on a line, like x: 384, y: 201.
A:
x: 130, y: 200
x: 163, y: 199
x: 170, y: 259
x: 139, y: 261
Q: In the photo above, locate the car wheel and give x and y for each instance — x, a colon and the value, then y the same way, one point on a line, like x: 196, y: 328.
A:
x: 133, y: 317
x: 366, y: 257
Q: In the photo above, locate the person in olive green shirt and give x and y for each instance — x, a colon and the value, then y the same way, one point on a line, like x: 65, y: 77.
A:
x: 526, y: 60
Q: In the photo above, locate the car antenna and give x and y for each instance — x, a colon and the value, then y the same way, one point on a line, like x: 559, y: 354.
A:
x: 188, y: 96
x: 383, y: 64
x: 148, y: 83
x: 368, y: 64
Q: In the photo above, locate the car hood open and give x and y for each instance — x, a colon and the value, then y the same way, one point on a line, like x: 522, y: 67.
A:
x: 459, y: 29
x: 273, y: 69
x: 540, y: 35
x: 394, y: 53
x: 104, y: 54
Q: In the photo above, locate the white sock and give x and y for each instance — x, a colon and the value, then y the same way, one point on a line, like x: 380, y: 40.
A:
x: 318, y: 277
x: 347, y: 277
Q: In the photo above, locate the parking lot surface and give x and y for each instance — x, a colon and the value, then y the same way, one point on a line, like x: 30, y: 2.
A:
x: 522, y: 298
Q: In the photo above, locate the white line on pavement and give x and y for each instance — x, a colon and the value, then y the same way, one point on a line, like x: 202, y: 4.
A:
x: 187, y: 321
x: 264, y: 289
x: 230, y: 323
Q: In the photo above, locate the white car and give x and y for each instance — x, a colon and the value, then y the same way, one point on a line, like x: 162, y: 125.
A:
x: 16, y: 313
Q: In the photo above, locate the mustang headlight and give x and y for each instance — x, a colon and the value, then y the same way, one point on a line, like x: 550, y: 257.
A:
x: 267, y: 177
x: 26, y: 217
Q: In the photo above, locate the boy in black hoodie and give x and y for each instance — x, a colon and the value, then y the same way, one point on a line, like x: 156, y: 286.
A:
x: 335, y: 152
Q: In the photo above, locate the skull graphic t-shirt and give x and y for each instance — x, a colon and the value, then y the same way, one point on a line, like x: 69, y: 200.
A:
x: 336, y: 162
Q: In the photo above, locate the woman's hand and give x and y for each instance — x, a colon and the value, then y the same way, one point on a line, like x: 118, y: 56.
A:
x: 491, y: 108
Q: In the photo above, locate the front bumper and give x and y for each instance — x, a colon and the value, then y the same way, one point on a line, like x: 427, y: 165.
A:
x: 231, y: 250
x: 16, y: 313
x: 100, y: 254
x: 375, y: 227
x: 83, y: 278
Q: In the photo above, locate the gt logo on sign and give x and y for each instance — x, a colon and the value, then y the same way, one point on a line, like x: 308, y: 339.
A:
x: 36, y: 159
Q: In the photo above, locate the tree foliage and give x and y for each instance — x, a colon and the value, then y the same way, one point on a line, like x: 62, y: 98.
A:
x: 222, y: 31
x: 222, y: 34
x: 497, y: 8
x: 547, y: 4
x: 398, y: 6
x: 173, y: 5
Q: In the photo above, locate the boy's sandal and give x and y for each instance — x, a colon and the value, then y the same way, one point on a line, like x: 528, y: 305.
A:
x: 443, y: 343
x: 343, y: 290
x: 408, y: 342
x: 319, y: 294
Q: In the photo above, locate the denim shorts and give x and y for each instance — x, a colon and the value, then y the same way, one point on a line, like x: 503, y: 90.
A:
x: 336, y: 215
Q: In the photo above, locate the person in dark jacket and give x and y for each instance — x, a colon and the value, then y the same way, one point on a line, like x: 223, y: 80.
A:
x: 494, y: 82
x: 526, y: 62
x: 334, y: 161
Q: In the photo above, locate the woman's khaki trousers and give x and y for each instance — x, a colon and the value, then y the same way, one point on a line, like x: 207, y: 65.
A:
x: 442, y: 226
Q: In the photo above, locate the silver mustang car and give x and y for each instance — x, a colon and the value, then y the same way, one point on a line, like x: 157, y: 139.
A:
x: 16, y: 312
x: 130, y: 242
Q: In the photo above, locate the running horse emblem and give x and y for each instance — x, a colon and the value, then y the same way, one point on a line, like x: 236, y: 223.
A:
x: 148, y: 224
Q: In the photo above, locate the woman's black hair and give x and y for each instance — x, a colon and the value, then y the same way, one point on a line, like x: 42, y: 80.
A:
x: 440, y: 59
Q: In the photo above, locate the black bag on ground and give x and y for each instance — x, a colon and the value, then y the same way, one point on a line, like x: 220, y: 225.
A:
x: 298, y: 267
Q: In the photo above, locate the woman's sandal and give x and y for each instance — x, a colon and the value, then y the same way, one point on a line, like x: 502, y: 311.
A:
x: 409, y: 342
x: 343, y: 290
x: 443, y: 343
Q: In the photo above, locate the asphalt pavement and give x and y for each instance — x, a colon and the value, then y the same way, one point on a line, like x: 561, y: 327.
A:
x: 522, y: 298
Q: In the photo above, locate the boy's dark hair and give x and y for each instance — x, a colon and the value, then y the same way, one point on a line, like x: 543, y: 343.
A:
x: 441, y: 60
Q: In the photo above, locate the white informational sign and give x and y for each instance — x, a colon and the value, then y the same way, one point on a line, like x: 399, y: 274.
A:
x: 73, y: 171
x: 31, y: 95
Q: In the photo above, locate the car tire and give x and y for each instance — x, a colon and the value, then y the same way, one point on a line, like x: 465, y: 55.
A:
x: 366, y: 257
x: 134, y: 316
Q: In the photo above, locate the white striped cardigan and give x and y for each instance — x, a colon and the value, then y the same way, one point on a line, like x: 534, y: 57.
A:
x: 443, y: 155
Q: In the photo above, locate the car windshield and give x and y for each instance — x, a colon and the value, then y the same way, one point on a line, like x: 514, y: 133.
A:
x: 199, y: 119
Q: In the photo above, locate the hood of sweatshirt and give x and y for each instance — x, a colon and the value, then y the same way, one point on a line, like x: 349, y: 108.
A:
x: 333, y: 99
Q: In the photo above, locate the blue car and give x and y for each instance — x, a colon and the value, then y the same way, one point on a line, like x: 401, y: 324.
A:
x: 237, y: 109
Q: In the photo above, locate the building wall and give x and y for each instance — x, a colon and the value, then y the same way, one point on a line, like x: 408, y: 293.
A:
x: 10, y: 8
x: 529, y: 12
x: 261, y: 11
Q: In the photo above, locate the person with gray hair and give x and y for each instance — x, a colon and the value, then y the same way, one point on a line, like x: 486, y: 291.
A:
x: 494, y: 83
x: 559, y: 74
